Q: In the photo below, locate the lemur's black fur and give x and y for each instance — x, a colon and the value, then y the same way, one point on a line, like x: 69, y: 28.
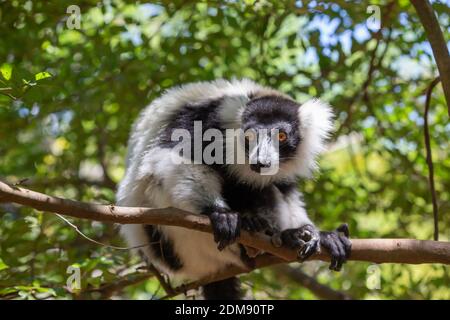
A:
x: 228, y: 289
x: 162, y: 248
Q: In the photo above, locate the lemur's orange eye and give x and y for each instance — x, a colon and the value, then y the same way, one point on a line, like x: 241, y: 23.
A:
x: 282, y: 136
x: 250, y: 135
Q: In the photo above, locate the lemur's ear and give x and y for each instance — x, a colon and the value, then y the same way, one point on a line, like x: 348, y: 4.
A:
x: 316, y: 126
x: 232, y: 109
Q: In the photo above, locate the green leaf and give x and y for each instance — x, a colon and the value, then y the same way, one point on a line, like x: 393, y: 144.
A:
x: 42, y: 75
x: 6, y: 71
x: 3, y: 265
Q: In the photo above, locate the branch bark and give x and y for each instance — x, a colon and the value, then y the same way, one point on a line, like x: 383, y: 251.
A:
x: 371, y: 250
x: 438, y: 45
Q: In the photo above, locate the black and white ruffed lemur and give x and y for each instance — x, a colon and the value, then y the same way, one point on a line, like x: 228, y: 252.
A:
x: 232, y: 195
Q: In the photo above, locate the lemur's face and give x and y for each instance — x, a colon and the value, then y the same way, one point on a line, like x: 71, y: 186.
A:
x: 271, y: 126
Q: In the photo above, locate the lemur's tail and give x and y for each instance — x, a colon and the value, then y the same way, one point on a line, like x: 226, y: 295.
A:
x: 228, y: 289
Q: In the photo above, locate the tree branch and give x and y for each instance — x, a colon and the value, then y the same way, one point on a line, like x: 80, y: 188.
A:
x: 370, y: 250
x: 438, y: 45
x: 430, y: 158
x: 109, y: 289
x: 374, y: 65
x: 373, y: 250
x: 320, y: 290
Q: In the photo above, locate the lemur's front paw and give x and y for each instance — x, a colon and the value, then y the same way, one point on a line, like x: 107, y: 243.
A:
x: 338, y: 245
x: 254, y: 224
x: 306, y: 240
x: 226, y: 228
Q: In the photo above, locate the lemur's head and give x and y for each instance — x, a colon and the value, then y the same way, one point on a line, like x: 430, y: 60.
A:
x: 282, y: 137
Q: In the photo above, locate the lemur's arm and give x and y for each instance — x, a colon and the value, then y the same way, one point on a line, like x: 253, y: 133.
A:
x: 297, y: 231
x: 307, y: 239
x: 197, y: 188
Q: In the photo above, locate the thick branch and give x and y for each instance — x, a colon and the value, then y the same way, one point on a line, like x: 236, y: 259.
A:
x: 438, y: 45
x: 371, y: 250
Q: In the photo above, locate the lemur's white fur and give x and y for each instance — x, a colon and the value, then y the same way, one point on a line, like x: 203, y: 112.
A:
x: 152, y: 180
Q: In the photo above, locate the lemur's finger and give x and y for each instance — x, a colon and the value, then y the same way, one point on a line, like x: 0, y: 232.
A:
x: 342, y: 254
x: 233, y: 227
x: 344, y: 229
x: 334, y: 256
x: 213, y: 219
x: 221, y: 245
x: 291, y: 239
x: 227, y: 231
x: 258, y: 224
x: 220, y: 228
x: 222, y: 225
x: 248, y: 225
x: 309, y: 248
x: 347, y: 246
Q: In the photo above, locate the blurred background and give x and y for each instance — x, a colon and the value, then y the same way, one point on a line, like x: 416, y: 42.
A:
x: 71, y: 86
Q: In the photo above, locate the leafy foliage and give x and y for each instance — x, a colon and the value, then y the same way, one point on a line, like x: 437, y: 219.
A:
x: 68, y: 98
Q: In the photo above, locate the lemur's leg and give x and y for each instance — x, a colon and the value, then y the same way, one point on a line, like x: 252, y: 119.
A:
x: 198, y: 188
x: 227, y: 289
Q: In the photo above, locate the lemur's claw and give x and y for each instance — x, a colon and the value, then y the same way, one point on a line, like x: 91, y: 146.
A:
x: 226, y: 228
x: 308, y: 249
x: 304, y: 239
x: 338, y: 245
x: 254, y: 224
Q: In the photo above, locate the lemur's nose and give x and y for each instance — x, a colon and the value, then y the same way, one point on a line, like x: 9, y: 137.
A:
x: 259, y: 165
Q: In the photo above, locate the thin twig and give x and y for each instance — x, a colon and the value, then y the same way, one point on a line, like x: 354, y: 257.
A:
x: 165, y: 284
x: 437, y: 41
x: 8, y: 95
x: 430, y: 158
x: 374, y: 64
x: 108, y: 289
x: 100, y: 243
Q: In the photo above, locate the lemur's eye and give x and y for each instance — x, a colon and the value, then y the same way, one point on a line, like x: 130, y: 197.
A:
x: 250, y: 135
x: 282, y: 136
